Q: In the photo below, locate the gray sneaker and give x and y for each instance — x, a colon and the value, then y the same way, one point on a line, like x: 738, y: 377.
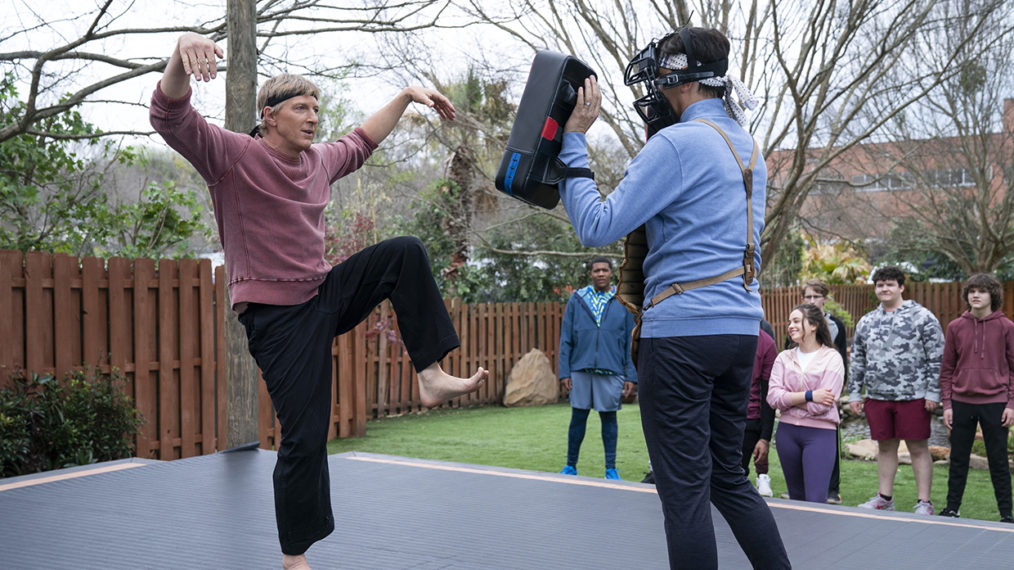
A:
x: 924, y: 508
x: 879, y: 503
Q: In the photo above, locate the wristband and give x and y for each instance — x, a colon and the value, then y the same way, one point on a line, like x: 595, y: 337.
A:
x: 809, y: 395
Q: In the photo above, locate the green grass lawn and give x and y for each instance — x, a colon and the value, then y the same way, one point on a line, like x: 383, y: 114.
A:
x: 535, y: 438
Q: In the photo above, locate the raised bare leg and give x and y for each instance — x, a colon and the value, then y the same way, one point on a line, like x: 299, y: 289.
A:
x: 437, y: 386
x: 297, y: 562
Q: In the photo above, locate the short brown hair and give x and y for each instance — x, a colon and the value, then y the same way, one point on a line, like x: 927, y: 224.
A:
x: 817, y: 285
x: 987, y: 283
x: 286, y: 85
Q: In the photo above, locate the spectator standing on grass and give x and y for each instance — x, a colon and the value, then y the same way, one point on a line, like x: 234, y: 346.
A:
x: 594, y: 361
x: 977, y: 388
x: 760, y: 417
x: 895, y: 360
x: 806, y: 382
x: 815, y: 292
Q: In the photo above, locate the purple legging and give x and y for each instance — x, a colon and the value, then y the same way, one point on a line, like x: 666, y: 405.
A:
x: 807, y: 458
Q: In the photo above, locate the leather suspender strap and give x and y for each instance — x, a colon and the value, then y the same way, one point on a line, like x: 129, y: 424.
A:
x: 747, y: 270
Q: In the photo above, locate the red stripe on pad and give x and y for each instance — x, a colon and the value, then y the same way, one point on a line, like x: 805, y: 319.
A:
x: 549, y: 129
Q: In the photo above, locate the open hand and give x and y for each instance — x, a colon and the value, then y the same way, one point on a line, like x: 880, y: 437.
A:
x: 433, y: 99
x: 199, y: 56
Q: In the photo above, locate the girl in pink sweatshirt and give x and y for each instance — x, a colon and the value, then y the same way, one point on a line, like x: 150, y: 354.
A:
x: 806, y: 382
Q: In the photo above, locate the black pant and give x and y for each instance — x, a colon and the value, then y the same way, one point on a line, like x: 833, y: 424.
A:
x: 833, y: 489
x: 751, y: 435
x: 994, y: 435
x: 292, y: 347
x: 694, y: 393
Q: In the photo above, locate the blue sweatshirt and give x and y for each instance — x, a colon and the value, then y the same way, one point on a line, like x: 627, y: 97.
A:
x: 585, y: 345
x: 686, y: 186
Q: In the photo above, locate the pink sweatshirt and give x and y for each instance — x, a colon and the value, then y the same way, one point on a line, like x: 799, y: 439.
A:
x: 978, y: 361
x: 269, y: 208
x: 825, y: 370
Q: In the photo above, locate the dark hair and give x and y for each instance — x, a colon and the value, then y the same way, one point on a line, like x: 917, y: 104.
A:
x: 599, y: 259
x: 816, y: 317
x: 817, y: 285
x: 987, y: 283
x: 709, y: 45
x: 889, y: 273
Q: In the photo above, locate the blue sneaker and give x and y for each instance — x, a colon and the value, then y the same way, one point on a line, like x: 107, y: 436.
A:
x: 569, y: 470
x: 612, y: 474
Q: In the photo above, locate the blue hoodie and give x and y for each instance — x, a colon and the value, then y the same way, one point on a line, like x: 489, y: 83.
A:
x: 686, y: 186
x: 586, y: 346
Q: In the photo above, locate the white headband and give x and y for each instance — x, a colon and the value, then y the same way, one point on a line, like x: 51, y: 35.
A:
x: 731, y: 84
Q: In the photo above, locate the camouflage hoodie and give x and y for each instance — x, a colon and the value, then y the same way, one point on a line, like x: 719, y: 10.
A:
x: 896, y: 355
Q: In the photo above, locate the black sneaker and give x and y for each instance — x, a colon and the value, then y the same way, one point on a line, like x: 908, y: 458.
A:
x: 649, y: 478
x: 952, y: 514
x: 1007, y: 519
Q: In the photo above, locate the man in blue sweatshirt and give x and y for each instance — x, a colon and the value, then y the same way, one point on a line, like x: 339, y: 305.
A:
x: 698, y: 187
x: 595, y: 364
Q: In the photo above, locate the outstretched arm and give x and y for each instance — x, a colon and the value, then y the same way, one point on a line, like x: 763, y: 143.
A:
x: 194, y: 55
x: 381, y: 123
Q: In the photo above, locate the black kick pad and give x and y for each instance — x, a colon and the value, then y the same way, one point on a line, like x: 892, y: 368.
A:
x: 531, y: 169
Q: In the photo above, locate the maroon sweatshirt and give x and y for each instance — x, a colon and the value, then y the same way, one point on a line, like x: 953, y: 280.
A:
x: 269, y: 208
x: 762, y: 362
x: 978, y: 361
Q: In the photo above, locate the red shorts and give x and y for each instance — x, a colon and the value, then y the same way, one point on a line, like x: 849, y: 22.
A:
x: 897, y: 420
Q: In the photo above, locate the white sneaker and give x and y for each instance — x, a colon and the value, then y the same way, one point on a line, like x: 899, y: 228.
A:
x: 764, y: 485
x: 924, y: 508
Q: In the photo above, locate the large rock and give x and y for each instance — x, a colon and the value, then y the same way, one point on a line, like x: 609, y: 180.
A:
x: 863, y: 449
x: 867, y: 449
x: 978, y: 462
x: 940, y: 453
x: 532, y: 382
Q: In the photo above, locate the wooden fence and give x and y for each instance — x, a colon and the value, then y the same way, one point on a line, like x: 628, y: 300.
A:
x: 159, y: 324
x: 154, y: 323
x: 943, y: 299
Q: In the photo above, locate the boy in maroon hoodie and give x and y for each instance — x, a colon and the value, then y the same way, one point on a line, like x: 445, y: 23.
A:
x: 977, y: 387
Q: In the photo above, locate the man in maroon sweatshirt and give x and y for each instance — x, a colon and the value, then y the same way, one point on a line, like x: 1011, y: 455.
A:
x: 269, y: 191
x: 977, y: 387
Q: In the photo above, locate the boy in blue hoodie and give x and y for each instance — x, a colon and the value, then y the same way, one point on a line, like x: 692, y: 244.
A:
x: 595, y: 364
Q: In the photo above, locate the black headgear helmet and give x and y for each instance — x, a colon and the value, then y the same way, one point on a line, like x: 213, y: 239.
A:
x: 644, y: 67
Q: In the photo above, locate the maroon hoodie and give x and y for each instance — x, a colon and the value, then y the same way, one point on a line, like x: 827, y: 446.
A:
x: 269, y: 207
x: 978, y: 362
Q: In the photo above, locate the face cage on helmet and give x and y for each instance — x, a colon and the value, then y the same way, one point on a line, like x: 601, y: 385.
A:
x: 653, y: 108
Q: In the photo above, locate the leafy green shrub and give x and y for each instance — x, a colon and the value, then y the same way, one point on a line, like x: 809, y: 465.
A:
x: 49, y: 424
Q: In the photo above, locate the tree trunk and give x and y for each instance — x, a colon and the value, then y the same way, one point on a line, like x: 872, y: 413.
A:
x: 240, y: 108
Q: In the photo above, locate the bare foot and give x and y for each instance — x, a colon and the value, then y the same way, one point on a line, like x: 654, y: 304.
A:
x: 437, y: 386
x: 295, y: 562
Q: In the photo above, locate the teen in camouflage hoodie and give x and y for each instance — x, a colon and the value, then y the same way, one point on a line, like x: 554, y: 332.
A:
x: 896, y: 355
